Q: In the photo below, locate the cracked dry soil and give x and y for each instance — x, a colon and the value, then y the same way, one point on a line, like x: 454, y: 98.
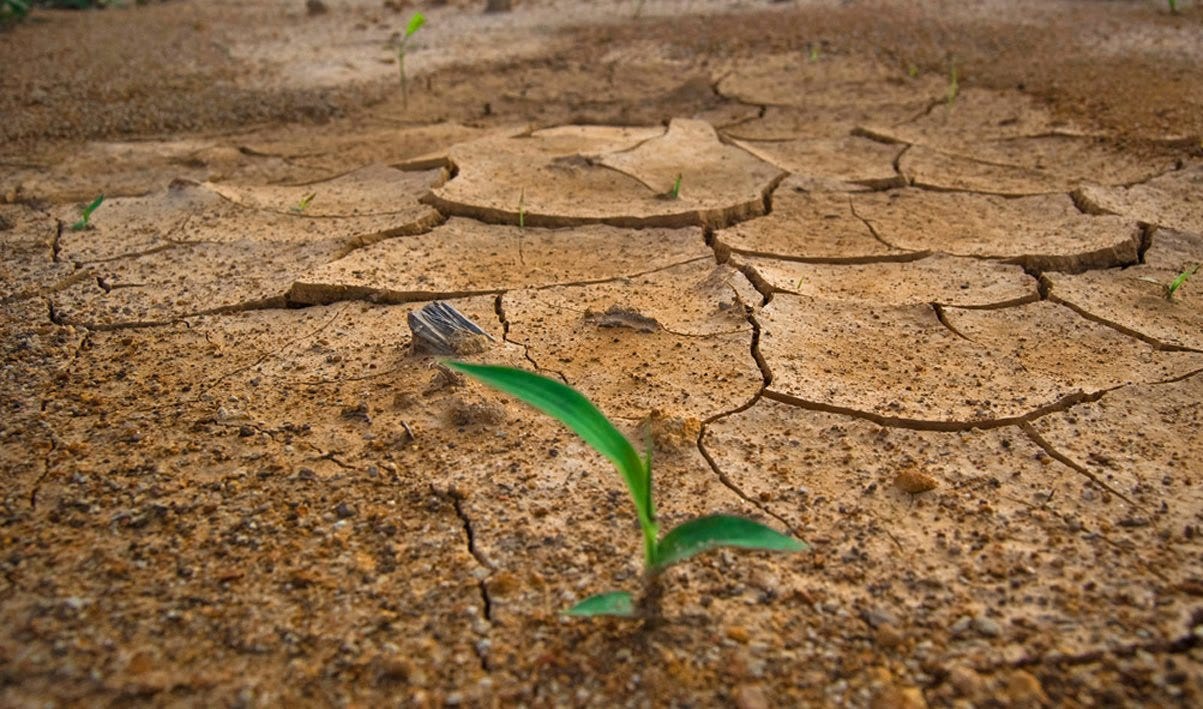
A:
x: 928, y: 336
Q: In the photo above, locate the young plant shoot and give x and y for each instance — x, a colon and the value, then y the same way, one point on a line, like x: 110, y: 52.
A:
x: 954, y: 86
x: 304, y: 203
x: 688, y: 539
x: 675, y: 192
x: 415, y: 24
x: 1180, y: 280
x: 87, y: 214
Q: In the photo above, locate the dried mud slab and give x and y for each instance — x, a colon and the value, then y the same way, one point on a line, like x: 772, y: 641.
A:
x: 819, y: 226
x: 1173, y: 200
x: 576, y: 175
x: 671, y: 340
x: 1138, y: 441
x: 715, y: 177
x: 132, y: 168
x: 337, y: 148
x: 991, y: 566
x: 189, y: 250
x: 960, y: 368
x: 974, y: 117
x: 464, y: 256
x: 1026, y: 166
x: 946, y: 280
x: 854, y: 160
x: 1134, y: 300
x: 826, y: 98
x: 1044, y: 232
x: 368, y: 191
x: 28, y: 240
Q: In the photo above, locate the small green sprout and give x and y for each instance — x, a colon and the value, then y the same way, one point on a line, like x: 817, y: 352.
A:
x: 954, y: 86
x: 522, y: 209
x: 675, y: 192
x: 304, y: 203
x: 1180, y: 280
x: 1173, y: 6
x: 692, y: 537
x: 814, y: 52
x: 415, y: 24
x: 87, y: 214
x: 912, y: 70
x: 13, y: 10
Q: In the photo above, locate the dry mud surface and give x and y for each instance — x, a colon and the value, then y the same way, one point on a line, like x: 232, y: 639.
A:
x: 926, y: 333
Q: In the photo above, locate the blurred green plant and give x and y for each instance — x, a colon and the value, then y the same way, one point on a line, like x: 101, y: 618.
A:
x: 688, y: 539
x: 415, y: 24
x: 13, y: 10
x: 1180, y: 280
x: 304, y: 203
x: 86, y: 217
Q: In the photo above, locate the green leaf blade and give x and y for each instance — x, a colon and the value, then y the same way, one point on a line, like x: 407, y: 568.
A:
x: 571, y: 408
x: 415, y: 24
x: 713, y: 531
x: 616, y: 603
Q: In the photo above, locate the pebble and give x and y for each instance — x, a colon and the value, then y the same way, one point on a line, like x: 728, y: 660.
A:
x: 987, y: 626
x: 751, y: 696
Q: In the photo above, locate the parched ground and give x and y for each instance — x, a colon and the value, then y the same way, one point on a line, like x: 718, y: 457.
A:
x: 917, y: 318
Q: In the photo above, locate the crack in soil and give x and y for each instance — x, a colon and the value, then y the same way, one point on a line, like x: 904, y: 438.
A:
x: 767, y: 377
x: 873, y: 230
x: 499, y: 308
x: 1123, y: 330
x: 1065, y: 460
x: 943, y: 318
x: 457, y: 502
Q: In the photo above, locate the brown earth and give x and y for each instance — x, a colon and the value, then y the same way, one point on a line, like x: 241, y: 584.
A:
x: 924, y: 329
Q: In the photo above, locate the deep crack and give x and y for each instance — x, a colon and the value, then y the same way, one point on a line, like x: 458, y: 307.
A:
x: 1065, y: 460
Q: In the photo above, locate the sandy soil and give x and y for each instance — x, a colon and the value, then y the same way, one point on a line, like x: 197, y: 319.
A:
x: 919, y: 323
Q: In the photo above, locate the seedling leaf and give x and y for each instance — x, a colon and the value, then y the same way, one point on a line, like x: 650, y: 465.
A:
x: 304, y: 203
x: 675, y: 192
x: 704, y: 533
x: 1179, y: 281
x: 415, y: 24
x: 617, y: 603
x: 87, y: 214
x: 572, y: 409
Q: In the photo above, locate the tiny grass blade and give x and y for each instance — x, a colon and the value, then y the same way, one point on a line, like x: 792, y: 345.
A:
x: 578, y: 413
x: 87, y: 214
x: 617, y: 603
x: 704, y: 533
x: 1178, y: 281
x: 415, y: 24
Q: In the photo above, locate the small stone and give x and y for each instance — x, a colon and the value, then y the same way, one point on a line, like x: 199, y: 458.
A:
x: 961, y: 625
x: 738, y: 633
x: 887, y: 636
x: 316, y: 7
x: 987, y: 626
x: 751, y: 696
x: 1023, y: 689
x: 343, y: 511
x: 966, y: 681
x: 899, y: 697
x: 914, y: 482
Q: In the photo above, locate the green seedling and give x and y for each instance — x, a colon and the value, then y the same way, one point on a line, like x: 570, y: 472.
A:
x: 690, y: 538
x: 1173, y: 6
x: 13, y: 10
x: 522, y: 209
x: 415, y: 24
x: 1180, y: 280
x: 814, y: 52
x: 675, y: 192
x: 304, y: 203
x: 954, y: 86
x: 87, y: 214
x: 912, y: 71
